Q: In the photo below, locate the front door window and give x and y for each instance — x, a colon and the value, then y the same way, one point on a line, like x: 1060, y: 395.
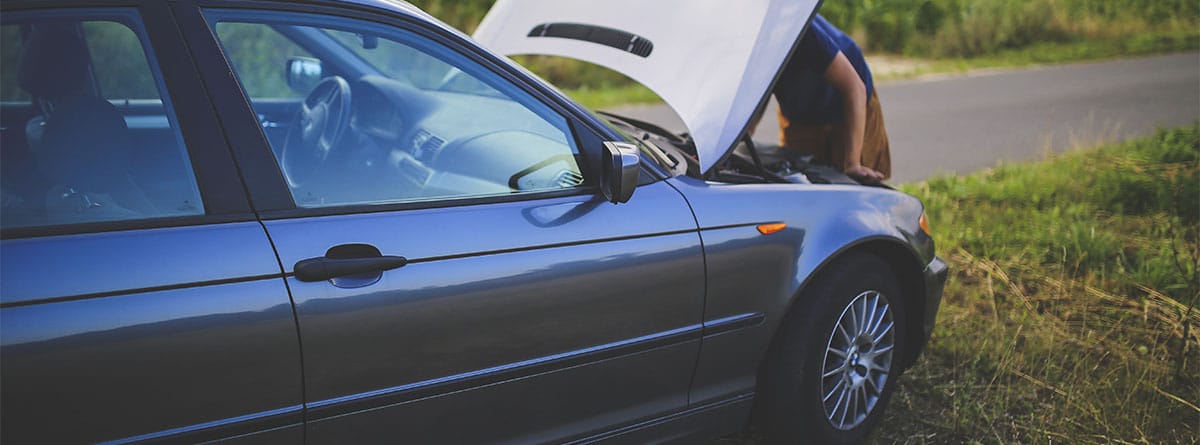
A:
x: 381, y: 115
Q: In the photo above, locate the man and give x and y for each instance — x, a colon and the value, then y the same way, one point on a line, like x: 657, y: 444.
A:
x: 828, y: 106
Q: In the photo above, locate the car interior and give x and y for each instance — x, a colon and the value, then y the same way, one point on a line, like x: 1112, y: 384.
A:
x: 79, y: 157
x: 386, y: 122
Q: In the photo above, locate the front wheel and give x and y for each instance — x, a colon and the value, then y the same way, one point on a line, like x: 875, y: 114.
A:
x: 835, y: 360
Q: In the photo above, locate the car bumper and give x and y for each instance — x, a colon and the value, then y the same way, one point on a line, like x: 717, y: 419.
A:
x: 935, y: 281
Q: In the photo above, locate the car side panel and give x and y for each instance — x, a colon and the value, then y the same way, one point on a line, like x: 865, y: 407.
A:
x: 754, y: 274
x: 191, y: 337
x: 524, y: 410
x: 501, y: 307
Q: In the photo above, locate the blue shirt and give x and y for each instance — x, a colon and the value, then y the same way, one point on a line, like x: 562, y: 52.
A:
x: 803, y: 94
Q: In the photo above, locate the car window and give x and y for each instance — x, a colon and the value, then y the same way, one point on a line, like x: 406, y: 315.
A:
x: 259, y: 53
x: 118, y: 63
x: 390, y: 116
x: 10, y: 48
x: 99, y: 140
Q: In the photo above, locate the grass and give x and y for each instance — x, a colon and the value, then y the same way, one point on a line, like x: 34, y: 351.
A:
x: 596, y: 98
x: 1068, y: 315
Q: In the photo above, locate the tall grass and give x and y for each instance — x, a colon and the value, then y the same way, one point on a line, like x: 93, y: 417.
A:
x: 970, y: 28
x: 1069, y: 316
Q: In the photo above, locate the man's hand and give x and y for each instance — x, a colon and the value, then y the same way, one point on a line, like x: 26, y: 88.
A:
x: 864, y: 174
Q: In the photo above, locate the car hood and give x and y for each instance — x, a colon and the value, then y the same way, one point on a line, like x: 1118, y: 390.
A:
x: 713, y: 61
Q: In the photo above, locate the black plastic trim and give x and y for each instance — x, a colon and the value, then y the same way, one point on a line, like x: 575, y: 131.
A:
x: 727, y: 324
x: 357, y: 209
x: 613, y: 38
x: 548, y: 246
x: 264, y: 182
x: 219, y: 180
x: 123, y: 225
x: 140, y: 290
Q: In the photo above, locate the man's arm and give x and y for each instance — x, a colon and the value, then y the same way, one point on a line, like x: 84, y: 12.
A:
x: 842, y: 76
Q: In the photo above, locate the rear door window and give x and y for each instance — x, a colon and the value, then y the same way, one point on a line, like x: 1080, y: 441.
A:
x: 98, y: 139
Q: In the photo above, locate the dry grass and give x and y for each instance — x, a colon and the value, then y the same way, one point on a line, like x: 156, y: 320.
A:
x: 1069, y: 314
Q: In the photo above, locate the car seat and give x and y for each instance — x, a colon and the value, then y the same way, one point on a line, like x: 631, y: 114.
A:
x: 80, y: 142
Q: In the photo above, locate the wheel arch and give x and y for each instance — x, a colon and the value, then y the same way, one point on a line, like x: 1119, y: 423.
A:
x: 906, y: 266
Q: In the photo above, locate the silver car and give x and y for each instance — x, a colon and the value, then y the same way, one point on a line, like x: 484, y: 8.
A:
x: 344, y: 222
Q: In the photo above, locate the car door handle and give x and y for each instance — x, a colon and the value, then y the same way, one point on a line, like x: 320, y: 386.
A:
x: 324, y: 268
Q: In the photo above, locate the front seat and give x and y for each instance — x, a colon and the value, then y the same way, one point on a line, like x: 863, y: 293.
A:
x: 80, y: 142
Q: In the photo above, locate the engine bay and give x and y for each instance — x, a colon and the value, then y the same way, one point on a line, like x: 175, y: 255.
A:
x: 748, y: 163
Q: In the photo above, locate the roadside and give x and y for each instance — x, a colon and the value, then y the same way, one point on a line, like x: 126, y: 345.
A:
x: 1070, y: 313
x: 890, y: 67
x: 963, y: 124
x: 887, y: 67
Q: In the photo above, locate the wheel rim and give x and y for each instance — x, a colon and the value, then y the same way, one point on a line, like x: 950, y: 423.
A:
x: 858, y: 360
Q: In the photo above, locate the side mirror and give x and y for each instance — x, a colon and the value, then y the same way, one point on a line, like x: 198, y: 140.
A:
x: 304, y: 73
x: 622, y: 167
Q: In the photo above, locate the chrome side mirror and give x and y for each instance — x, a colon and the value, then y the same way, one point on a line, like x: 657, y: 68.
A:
x: 622, y: 168
x: 304, y: 73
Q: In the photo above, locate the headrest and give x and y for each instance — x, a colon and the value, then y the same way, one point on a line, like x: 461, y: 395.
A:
x: 53, y: 61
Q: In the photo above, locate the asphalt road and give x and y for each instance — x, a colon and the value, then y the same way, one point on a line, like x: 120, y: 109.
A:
x: 967, y: 123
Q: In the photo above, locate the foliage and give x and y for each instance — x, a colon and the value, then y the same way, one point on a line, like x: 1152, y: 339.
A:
x: 962, y: 28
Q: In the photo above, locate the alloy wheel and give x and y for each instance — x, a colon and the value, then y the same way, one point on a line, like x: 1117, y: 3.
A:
x: 858, y: 360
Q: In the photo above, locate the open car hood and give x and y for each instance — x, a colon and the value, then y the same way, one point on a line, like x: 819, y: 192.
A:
x: 713, y: 61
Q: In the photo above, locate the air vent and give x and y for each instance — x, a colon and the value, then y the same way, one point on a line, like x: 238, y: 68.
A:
x: 622, y: 40
x: 567, y: 179
x: 425, y: 145
x: 431, y: 147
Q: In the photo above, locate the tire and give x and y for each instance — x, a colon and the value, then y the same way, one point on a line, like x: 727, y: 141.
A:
x: 805, y: 363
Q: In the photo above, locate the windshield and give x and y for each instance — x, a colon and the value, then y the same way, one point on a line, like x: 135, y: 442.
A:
x: 406, y: 64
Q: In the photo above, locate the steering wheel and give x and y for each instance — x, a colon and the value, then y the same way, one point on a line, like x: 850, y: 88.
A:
x: 319, y: 125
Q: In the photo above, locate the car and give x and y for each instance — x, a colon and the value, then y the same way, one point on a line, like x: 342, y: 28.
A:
x: 344, y: 221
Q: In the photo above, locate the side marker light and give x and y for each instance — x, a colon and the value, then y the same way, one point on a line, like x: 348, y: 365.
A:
x: 767, y: 229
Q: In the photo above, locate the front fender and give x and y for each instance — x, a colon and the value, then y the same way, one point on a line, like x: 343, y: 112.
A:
x: 755, y: 276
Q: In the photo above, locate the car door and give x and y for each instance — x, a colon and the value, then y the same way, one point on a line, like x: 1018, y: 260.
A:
x: 490, y: 293
x: 140, y: 298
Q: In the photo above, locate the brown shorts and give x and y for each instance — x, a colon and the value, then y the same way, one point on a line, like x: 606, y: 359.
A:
x: 825, y: 142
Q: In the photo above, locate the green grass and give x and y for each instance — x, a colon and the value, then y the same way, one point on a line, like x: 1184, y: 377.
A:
x: 1067, y: 312
x: 596, y: 98
x: 1049, y: 53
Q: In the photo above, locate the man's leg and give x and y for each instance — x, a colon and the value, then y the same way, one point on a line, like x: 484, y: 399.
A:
x: 812, y: 140
x: 876, y: 150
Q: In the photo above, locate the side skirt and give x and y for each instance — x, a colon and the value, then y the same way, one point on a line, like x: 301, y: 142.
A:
x: 688, y: 426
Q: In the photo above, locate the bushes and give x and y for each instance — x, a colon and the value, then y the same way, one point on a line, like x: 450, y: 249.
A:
x: 961, y: 28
